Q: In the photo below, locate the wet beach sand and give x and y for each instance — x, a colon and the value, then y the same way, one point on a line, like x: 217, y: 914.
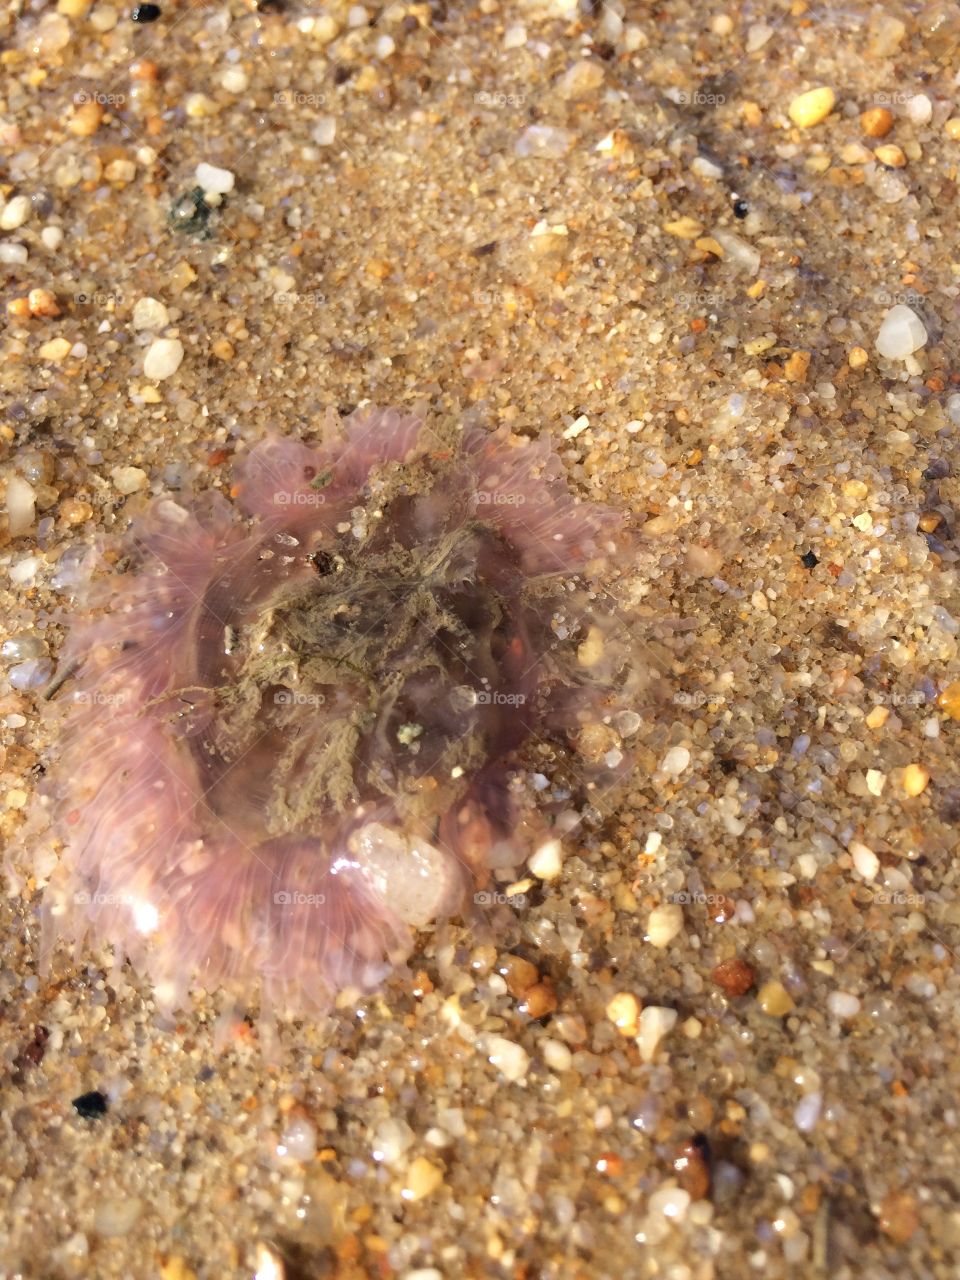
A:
x: 711, y: 251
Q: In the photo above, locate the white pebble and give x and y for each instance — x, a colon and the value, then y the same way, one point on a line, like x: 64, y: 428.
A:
x: 670, y: 1202
x: 547, y: 862
x: 807, y: 1112
x: 842, y: 1004
x: 384, y: 47
x: 15, y: 213
x: 235, y: 80
x: 392, y: 1139
x: 213, y: 180
x: 128, y: 479
x: 705, y: 168
x: 52, y: 237
x: 510, y: 1059
x: 423, y: 1273
x: 675, y: 761
x: 21, y: 505
x: 148, y: 313
x: 663, y: 924
x: 515, y: 37
x: 919, y: 108
x: 324, y: 131
x: 299, y: 1139
x: 655, y: 1022
x: 865, y: 861
x: 901, y: 333
x: 556, y: 1055
x: 163, y: 358
x: 14, y: 255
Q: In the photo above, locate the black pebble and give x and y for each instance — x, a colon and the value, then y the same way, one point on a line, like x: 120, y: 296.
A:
x: 90, y: 1105
x: 146, y: 13
x: 809, y: 561
x: 741, y: 209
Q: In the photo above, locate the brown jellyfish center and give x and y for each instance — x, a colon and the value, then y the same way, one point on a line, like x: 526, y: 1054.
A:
x: 398, y: 669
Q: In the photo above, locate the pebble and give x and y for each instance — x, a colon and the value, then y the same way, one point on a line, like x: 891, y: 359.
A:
x: 392, y: 1139
x: 52, y: 237
x: 656, y: 1021
x: 670, y: 1202
x: 148, y: 313
x: 774, y: 1000
x: 213, y: 180
x: 298, y: 1139
x: 14, y: 254
x: 865, y: 861
x: 55, y: 350
x: 807, y: 1112
x: 163, y: 359
x: 734, y: 976
x: 234, y: 80
x: 580, y: 80
x: 675, y: 761
x: 128, y: 479
x: 623, y: 1011
x: 902, y: 332
x: 891, y: 156
x: 324, y: 131
x: 876, y: 122
x: 90, y: 1105
x: 663, y: 924
x: 546, y: 863
x: 915, y: 779
x: 842, y: 1004
x: 423, y: 1178
x: 810, y: 108
x: 556, y: 1055
x: 15, y: 213
x: 21, y: 501
x: 510, y: 1059
x: 33, y: 674
x: 515, y: 37
x: 919, y: 109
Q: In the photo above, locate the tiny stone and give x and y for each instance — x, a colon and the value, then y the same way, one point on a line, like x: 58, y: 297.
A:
x: 810, y: 108
x: 623, y: 1011
x: 148, y: 313
x: 56, y: 349
x: 675, y: 761
x: 423, y: 1178
x: 842, y: 1004
x: 90, y: 1105
x: 556, y: 1055
x: 901, y: 333
x: 546, y: 862
x: 511, y: 1059
x: 14, y: 254
x: 670, y: 1202
x: 299, y: 1139
x: 915, y: 779
x: 807, y: 1112
x: 876, y: 122
x: 663, y: 924
x: 234, y: 80
x: 774, y: 1000
x: 163, y: 359
x: 15, y: 213
x: 117, y: 1215
x: 515, y: 37
x: 213, y: 180
x: 734, y: 976
x: 655, y: 1022
x: 324, y: 131
x: 580, y: 80
x: 865, y: 861
x: 128, y: 479
x: 919, y: 109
